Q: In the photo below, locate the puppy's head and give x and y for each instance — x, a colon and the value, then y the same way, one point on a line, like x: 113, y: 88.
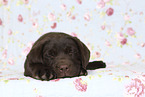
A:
x: 64, y: 54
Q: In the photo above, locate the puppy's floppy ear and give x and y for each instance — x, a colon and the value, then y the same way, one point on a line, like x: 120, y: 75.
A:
x: 85, y: 53
x: 36, y: 53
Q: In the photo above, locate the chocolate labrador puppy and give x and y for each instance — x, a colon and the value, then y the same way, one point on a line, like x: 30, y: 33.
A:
x: 59, y: 55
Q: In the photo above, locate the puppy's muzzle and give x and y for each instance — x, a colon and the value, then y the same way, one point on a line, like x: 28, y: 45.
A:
x: 63, y: 68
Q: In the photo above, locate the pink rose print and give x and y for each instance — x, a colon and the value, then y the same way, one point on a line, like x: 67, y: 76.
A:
x: 20, y: 18
x: 138, y: 56
x: 79, y: 1
x: 51, y: 17
x: 98, y: 54
x: 55, y: 80
x: 74, y: 34
x: 126, y: 17
x: 73, y: 17
x: 28, y: 48
x: 10, y: 32
x: 87, y: 17
x: 13, y: 78
x: 1, y: 23
x: 26, y: 1
x: 110, y: 11
x: 10, y: 61
x: 141, y: 13
x: 108, y: 43
x: 101, y: 4
x: 63, y: 7
x: 4, y: 55
x: 80, y: 85
x: 136, y: 88
x: 69, y: 14
x: 39, y: 96
x: 103, y: 27
x: 124, y: 41
x: 106, y: 1
x: 142, y: 44
x: 130, y: 31
x: 34, y: 23
x: 121, y: 38
x: 5, y: 2
x: 54, y: 25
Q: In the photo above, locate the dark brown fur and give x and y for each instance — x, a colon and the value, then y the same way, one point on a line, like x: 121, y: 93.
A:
x: 58, y: 55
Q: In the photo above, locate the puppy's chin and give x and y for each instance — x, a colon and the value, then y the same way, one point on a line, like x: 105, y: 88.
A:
x: 69, y: 75
x: 62, y: 75
x: 66, y: 76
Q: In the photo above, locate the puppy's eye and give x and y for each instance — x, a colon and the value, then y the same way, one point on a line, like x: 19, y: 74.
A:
x: 69, y: 51
x: 52, y: 53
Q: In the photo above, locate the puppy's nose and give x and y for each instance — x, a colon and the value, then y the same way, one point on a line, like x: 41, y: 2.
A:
x: 63, y: 68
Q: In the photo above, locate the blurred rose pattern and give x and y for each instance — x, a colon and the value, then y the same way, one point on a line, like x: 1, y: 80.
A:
x: 136, y: 88
x: 113, y: 30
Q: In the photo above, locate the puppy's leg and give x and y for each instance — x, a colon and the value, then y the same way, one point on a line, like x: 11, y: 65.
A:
x: 39, y: 71
x: 95, y: 65
x: 83, y: 72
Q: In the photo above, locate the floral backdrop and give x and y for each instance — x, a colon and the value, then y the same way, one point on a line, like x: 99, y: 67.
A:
x: 113, y: 30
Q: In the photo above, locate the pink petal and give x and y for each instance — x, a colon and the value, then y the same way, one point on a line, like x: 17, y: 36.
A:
x: 110, y: 11
x: 103, y: 27
x: 54, y: 25
x: 73, y: 17
x: 10, y: 32
x: 63, y: 7
x: 124, y: 41
x: 55, y: 80
x: 13, y: 79
x: 51, y: 17
x: 69, y: 14
x: 26, y: 50
x: 101, y: 4
x: 4, y: 55
x: 79, y: 85
x: 98, y: 54
x: 135, y: 88
x: 142, y: 44
x: 5, y: 2
x: 74, y: 34
x: 79, y: 1
x: 108, y: 43
x: 26, y: 1
x: 106, y: 1
x: 141, y: 13
x: 34, y: 23
x: 120, y: 36
x: 11, y: 61
x: 130, y: 31
x: 126, y: 17
x: 87, y: 17
x: 138, y: 56
x: 20, y: 18
x: 1, y: 23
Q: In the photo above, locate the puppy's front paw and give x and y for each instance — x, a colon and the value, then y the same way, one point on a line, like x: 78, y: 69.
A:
x: 83, y: 72
x: 44, y: 74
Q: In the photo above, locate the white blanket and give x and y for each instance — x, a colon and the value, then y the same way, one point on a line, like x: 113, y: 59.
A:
x: 113, y: 81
